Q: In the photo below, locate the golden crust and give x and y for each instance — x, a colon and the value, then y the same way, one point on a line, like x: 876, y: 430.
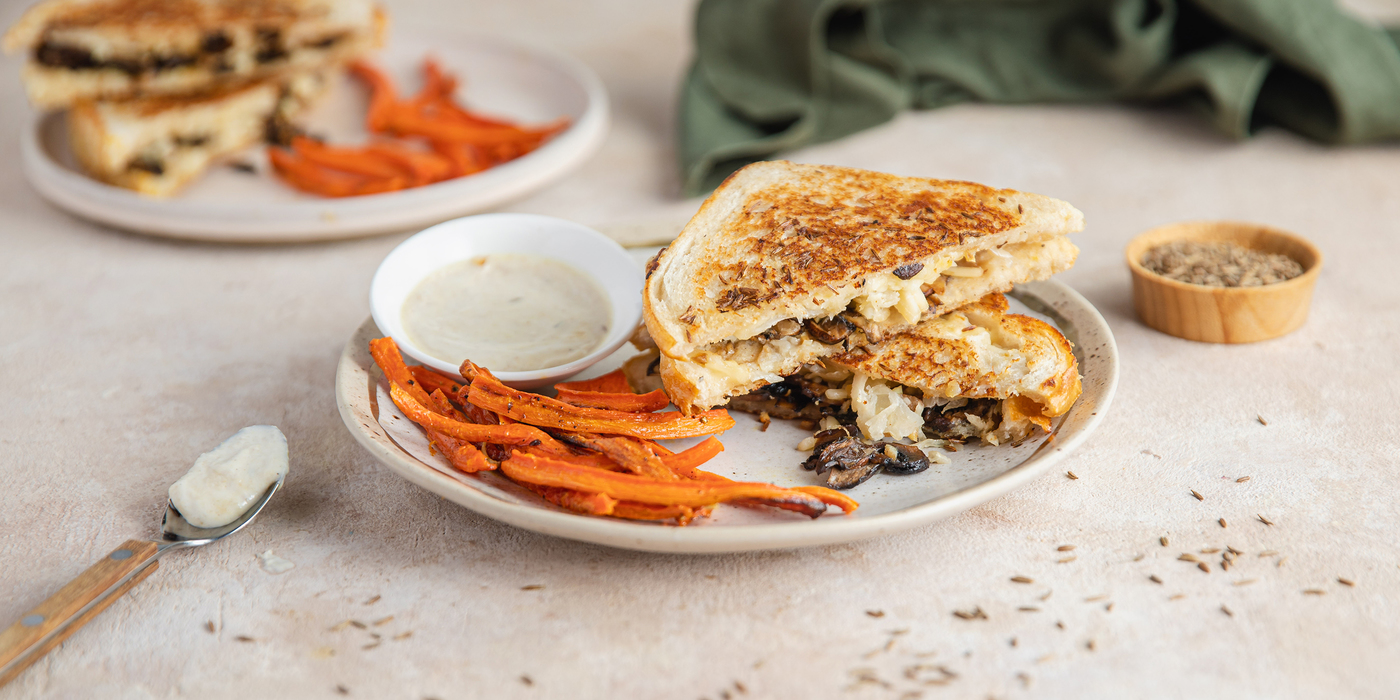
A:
x: 780, y: 240
x: 979, y: 352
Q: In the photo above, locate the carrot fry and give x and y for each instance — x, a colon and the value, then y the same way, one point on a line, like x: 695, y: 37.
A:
x: 405, y: 119
x: 630, y: 454
x: 386, y: 354
x: 514, y: 434
x: 467, y: 458
x: 486, y: 383
x: 424, y: 167
x: 592, y: 461
x: 684, y: 464
x: 351, y: 160
x: 654, y: 401
x: 432, y: 380
x: 646, y: 511
x: 536, y: 470
x: 382, y: 95
x: 577, y: 501
x: 466, y: 158
x: 847, y: 504
x: 535, y: 413
x: 319, y: 179
x: 614, y: 382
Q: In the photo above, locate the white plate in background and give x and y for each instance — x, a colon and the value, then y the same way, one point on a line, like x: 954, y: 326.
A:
x: 497, y: 77
x: 889, y: 504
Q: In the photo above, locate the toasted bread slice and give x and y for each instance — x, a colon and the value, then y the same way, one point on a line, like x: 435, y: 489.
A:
x: 157, y: 145
x: 120, y: 49
x: 785, y: 264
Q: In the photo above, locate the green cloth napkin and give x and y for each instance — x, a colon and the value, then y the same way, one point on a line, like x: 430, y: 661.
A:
x: 773, y: 75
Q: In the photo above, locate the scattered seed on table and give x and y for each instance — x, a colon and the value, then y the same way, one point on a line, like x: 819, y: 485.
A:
x: 1314, y: 591
x: 1108, y: 608
x: 1163, y: 540
x: 1013, y: 642
x: 1281, y: 562
x: 1153, y: 578
x: 1060, y: 624
x: 1022, y: 579
x: 1234, y: 551
x: 532, y: 587
x: 875, y: 613
x: 1187, y: 556
x: 209, y: 626
x: 1028, y: 608
x: 1225, y: 564
x: 1198, y: 495
x: 1046, y: 596
x: 1139, y: 557
x: 245, y: 638
x: 1203, y: 566
x: 1096, y: 598
x: 1178, y: 596
x: 1245, y: 582
x: 1268, y: 553
x: 1065, y: 548
x: 1066, y: 560
x: 1222, y: 524
x: 342, y: 690
x: 974, y: 614
x: 403, y: 635
x: 1210, y: 550
x: 1226, y: 611
x: 1241, y: 480
x: 372, y: 601
x: 1262, y: 421
x: 358, y: 625
x: 1089, y: 645
x: 1346, y: 582
x: 527, y: 680
x: 1264, y: 520
x: 383, y: 621
x: 1071, y: 476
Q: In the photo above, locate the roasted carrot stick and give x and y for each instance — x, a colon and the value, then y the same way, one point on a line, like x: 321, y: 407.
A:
x: 356, y: 161
x: 626, y: 487
x: 466, y: 158
x: 424, y: 167
x: 329, y: 182
x: 432, y: 380
x: 684, y: 464
x: 513, y: 434
x: 847, y: 504
x: 654, y: 401
x: 533, y: 413
x: 386, y: 354
x: 629, y: 453
x: 646, y: 511
x: 487, y: 383
x: 382, y: 95
x: 577, y: 501
x: 614, y: 382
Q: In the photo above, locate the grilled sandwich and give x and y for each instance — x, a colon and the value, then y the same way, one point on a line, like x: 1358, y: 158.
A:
x: 119, y: 49
x: 787, y: 264
x: 977, y: 373
x: 157, y: 145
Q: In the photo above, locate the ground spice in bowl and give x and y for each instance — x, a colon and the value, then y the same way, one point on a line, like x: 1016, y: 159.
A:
x: 1219, y: 264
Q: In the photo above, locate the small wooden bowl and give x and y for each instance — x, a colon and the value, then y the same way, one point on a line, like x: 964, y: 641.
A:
x: 1224, y: 314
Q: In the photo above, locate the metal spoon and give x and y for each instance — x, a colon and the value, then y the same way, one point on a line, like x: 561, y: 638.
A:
x: 52, y: 621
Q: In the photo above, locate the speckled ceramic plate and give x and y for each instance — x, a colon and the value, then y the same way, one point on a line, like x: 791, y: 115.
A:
x: 531, y: 85
x: 976, y: 475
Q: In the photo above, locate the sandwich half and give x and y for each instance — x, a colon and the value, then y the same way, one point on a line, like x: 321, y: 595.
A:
x: 977, y: 373
x: 786, y: 264
x: 157, y: 145
x: 118, y: 49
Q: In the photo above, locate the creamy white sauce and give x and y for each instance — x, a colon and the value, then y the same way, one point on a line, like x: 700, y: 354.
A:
x: 508, y: 312
x: 225, y: 481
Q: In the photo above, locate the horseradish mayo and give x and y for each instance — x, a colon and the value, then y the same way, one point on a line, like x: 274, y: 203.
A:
x: 508, y: 312
x: 225, y: 481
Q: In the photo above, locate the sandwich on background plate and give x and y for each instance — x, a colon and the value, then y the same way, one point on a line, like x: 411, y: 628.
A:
x: 788, y: 264
x: 118, y: 49
x: 977, y: 373
x: 157, y: 145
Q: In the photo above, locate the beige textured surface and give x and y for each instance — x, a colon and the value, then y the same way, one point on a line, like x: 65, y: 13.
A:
x: 124, y: 357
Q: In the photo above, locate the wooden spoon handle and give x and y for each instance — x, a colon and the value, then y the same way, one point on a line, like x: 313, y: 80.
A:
x: 50, y: 622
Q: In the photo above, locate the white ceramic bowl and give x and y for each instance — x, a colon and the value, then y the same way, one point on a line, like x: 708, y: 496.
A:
x: 584, y: 249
